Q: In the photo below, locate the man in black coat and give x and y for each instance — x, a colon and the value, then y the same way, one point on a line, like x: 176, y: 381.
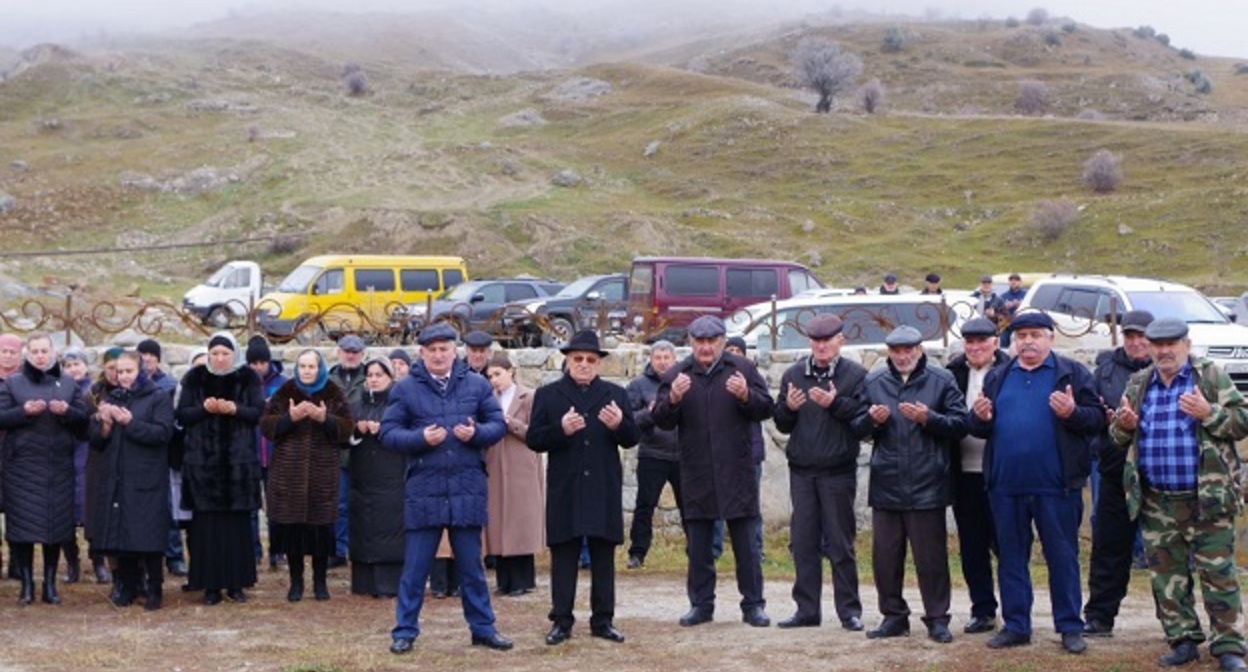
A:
x: 821, y: 396
x: 658, y: 453
x: 712, y: 397
x: 582, y: 421
x: 1113, y: 532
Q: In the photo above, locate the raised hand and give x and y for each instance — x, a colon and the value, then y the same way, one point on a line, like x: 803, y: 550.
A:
x: 572, y: 422
x: 465, y: 430
x: 1195, y: 404
x: 1125, y: 418
x: 914, y: 411
x: 1062, y: 403
x: 823, y: 397
x: 879, y: 413
x: 611, y: 416
x: 737, y: 386
x: 680, y: 385
x: 58, y: 406
x: 794, y: 398
x: 435, y: 435
x: 982, y: 408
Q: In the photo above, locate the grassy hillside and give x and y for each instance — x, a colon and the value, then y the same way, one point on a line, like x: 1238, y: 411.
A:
x: 947, y: 180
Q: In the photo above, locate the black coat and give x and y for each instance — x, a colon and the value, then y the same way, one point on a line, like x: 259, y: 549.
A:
x: 220, y: 465
x: 130, y: 512
x: 659, y: 444
x: 584, y: 477
x: 1113, y: 369
x: 39, y: 455
x: 823, y: 440
x: 717, y: 470
x: 375, y: 504
x: 961, y: 371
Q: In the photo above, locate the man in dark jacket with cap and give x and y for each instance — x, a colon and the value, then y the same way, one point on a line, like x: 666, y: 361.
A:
x: 477, y: 346
x: 581, y: 421
x: 916, y: 411
x: 931, y: 284
x: 348, y: 374
x: 260, y: 359
x: 149, y: 350
x: 820, y: 397
x: 443, y: 418
x: 1040, y: 415
x: 712, y: 397
x: 658, y: 452
x: 1114, y: 534
x: 977, y: 540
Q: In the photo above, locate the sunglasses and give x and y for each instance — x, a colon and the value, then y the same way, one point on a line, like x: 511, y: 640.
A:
x: 583, y: 359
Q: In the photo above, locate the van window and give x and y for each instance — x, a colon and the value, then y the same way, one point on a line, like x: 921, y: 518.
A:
x: 492, y: 293
x: 611, y: 291
x: 641, y: 282
x: 754, y: 282
x: 241, y: 277
x: 330, y: 282
x: 800, y: 281
x: 298, y: 280
x: 452, y: 277
x: 375, y: 279
x: 692, y: 280
x: 418, y: 280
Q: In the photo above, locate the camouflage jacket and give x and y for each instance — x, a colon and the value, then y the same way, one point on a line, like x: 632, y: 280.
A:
x: 1218, y: 488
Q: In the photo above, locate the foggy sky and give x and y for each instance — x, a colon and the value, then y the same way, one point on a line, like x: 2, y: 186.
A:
x: 1209, y: 27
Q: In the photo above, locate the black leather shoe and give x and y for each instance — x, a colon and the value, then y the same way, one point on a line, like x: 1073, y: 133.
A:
x: 212, y: 597
x: 295, y: 593
x: 798, y: 621
x: 493, y: 641
x: 1098, y: 628
x: 608, y: 632
x: 1181, y: 653
x: 853, y: 624
x: 1006, y: 639
x: 939, y: 633
x: 696, y: 616
x: 558, y: 634
x: 891, y: 626
x: 979, y: 624
x: 401, y: 645
x: 636, y: 561
x: 1073, y: 642
x: 1228, y: 662
x: 236, y: 595
x: 756, y: 617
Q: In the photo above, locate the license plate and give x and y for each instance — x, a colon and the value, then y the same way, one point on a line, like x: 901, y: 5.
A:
x: 1236, y: 368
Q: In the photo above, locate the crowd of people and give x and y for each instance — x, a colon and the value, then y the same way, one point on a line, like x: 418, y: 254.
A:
x: 424, y: 471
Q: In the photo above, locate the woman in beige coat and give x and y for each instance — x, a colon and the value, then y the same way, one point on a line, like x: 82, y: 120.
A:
x: 515, y: 531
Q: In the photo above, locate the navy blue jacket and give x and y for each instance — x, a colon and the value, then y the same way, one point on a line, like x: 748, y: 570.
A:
x: 1076, y: 435
x: 445, y: 485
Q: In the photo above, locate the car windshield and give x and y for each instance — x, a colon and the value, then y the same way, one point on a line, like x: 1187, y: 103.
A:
x: 220, y: 276
x: 298, y: 280
x: 1191, y: 307
x: 577, y: 288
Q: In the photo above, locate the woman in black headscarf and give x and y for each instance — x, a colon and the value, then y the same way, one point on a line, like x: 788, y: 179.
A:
x: 219, y: 407
x: 377, y: 482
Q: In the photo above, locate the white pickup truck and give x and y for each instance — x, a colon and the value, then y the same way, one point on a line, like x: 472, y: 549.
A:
x: 227, y: 295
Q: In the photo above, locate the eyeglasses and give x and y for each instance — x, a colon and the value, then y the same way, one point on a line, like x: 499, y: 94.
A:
x: 583, y: 359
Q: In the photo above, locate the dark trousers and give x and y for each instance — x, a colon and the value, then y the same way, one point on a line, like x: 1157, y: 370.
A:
x: 652, y: 475
x: 1056, y: 519
x: 977, y: 541
x: 1113, y: 539
x: 823, y: 521
x: 419, y: 554
x: 564, y: 559
x: 515, y: 573
x: 341, y: 531
x: 925, y: 532
x: 701, y: 579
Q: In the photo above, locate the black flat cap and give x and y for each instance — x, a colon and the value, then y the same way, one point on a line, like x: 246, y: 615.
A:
x: 979, y: 326
x: 438, y: 331
x: 932, y: 277
x: 478, y: 339
x: 1032, y: 320
x: 1136, y: 320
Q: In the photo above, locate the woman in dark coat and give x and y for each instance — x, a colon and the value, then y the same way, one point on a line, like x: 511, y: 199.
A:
x: 307, y: 420
x: 74, y: 365
x: 45, y: 415
x: 376, y: 499
x: 104, y: 383
x: 218, y: 409
x: 131, y: 431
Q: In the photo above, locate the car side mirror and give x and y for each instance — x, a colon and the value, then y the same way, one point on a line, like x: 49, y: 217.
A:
x: 593, y: 296
x: 477, y: 298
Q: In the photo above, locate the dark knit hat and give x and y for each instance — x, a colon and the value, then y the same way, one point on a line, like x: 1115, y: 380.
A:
x: 258, y: 350
x: 149, y: 346
x: 400, y: 353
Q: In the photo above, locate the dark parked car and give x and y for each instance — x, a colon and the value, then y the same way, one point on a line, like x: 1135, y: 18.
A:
x: 552, y: 321
x: 476, y: 304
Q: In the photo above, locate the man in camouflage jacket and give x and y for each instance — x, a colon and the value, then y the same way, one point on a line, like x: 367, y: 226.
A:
x: 1178, y: 421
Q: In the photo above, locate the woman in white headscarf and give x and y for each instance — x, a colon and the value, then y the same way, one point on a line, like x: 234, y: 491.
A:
x: 218, y: 409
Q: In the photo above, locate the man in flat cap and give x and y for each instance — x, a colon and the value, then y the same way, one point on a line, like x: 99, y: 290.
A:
x: 1040, y: 415
x: 442, y: 417
x: 977, y: 540
x: 1178, y: 423
x: 712, y: 397
x: 477, y: 346
x: 890, y: 284
x: 931, y: 284
x: 1011, y: 299
x: 820, y: 397
x: 581, y: 421
x: 987, y: 303
x: 348, y: 374
x: 916, y: 411
x: 1114, y: 534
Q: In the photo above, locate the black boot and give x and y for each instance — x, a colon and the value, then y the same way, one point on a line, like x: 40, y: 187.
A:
x: 296, y: 578
x: 100, y: 569
x: 73, y: 570
x: 122, y: 594
x: 320, y: 583
x: 51, y: 558
x: 155, y: 582
x: 27, y: 576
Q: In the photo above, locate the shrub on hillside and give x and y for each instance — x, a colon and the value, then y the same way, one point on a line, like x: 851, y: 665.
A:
x: 1052, y: 38
x: 894, y: 40
x: 1033, y: 97
x: 822, y: 65
x: 1102, y: 172
x: 355, y: 79
x: 1051, y: 218
x: 1200, y: 81
x: 1070, y: 27
x: 1011, y: 22
x: 1038, y: 16
x: 872, y: 96
x: 1164, y: 39
x: 1144, y: 32
x: 1241, y: 68
x: 1187, y: 53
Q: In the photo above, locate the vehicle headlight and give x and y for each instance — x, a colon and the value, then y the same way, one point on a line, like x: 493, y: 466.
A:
x: 534, y: 306
x: 416, y: 311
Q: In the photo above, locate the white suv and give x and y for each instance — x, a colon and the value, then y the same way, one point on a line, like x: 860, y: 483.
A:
x: 1075, y: 300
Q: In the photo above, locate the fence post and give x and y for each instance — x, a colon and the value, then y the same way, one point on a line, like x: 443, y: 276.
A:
x: 774, y: 327
x: 69, y: 317
x: 944, y: 321
x: 1113, y: 321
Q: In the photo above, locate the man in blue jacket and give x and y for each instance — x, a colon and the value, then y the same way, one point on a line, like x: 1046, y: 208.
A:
x: 1040, y: 415
x: 442, y: 418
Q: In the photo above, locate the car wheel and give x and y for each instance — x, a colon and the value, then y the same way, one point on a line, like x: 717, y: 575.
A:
x: 559, y: 333
x: 218, y: 317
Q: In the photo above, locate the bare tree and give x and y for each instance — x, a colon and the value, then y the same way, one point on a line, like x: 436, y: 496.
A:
x: 355, y: 79
x: 1033, y: 97
x: 821, y: 64
x: 872, y: 96
x: 1103, y: 172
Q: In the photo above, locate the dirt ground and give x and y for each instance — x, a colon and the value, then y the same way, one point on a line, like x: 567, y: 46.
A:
x: 352, y: 633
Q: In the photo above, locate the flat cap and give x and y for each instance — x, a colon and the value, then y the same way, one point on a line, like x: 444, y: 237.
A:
x: 707, y: 326
x: 1032, y: 319
x: 824, y: 325
x: 985, y: 278
x: 1166, y: 329
x: 890, y: 278
x: 903, y: 336
x: 351, y: 343
x: 478, y: 339
x: 1136, y: 320
x: 932, y: 277
x: 979, y: 326
x: 438, y: 331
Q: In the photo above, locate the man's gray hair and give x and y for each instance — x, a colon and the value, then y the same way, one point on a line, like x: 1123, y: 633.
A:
x: 663, y: 345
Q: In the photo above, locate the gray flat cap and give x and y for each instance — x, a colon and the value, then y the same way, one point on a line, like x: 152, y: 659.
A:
x: 979, y: 326
x: 478, y: 339
x: 438, y: 331
x: 903, y: 336
x: 351, y: 343
x: 1166, y: 329
x: 707, y: 326
x: 824, y: 325
x: 1136, y: 320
